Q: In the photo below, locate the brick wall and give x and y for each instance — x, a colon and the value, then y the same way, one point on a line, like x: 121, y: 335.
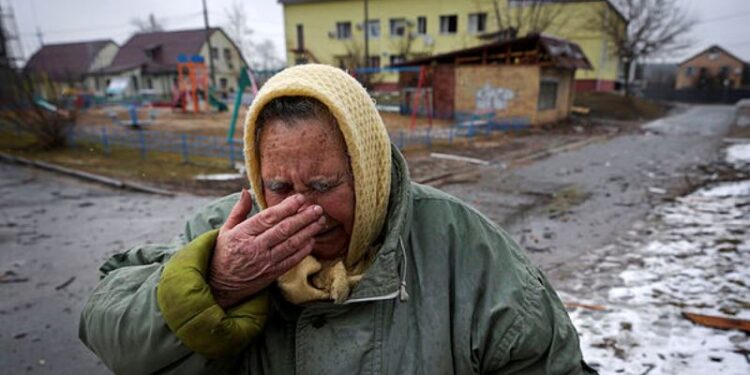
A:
x: 521, y: 80
x: 711, y: 61
x: 443, y: 89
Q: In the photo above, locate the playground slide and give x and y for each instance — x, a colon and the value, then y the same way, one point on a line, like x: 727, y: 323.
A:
x: 216, y: 103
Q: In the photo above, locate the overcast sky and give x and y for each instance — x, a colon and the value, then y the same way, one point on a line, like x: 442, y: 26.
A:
x: 723, y: 22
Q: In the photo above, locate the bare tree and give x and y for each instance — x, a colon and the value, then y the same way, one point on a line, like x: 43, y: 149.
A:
x: 652, y: 28
x: 148, y: 25
x: 514, y: 17
x: 265, y: 56
x: 238, y: 30
x: 46, y: 120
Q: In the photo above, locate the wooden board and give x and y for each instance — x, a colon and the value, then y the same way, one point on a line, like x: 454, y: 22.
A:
x: 719, y: 322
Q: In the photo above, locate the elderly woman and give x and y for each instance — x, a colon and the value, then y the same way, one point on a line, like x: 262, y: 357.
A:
x: 338, y: 264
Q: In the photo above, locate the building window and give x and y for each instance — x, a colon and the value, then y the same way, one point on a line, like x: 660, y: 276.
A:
x: 373, y: 62
x: 690, y: 71
x: 300, y: 37
x: 223, y: 83
x: 397, y: 59
x: 477, y: 22
x: 421, y: 25
x: 713, y: 55
x: 149, y: 84
x: 214, y: 53
x: 227, y: 54
x: 448, y: 24
x: 343, y: 30
x: 547, y: 95
x: 398, y: 26
x: 373, y: 29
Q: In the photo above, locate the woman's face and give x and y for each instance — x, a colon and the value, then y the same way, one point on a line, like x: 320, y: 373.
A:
x: 309, y: 158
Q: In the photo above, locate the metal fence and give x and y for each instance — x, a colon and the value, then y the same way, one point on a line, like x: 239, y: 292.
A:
x: 725, y: 96
x: 191, y: 146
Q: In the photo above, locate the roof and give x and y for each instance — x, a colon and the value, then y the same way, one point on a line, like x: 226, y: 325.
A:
x: 166, y: 47
x: 531, y: 49
x: 66, y: 61
x: 715, y: 46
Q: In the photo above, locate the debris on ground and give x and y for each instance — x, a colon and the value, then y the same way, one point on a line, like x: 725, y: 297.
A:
x: 693, y: 262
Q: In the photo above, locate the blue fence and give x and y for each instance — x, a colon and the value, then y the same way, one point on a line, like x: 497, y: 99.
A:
x: 191, y: 146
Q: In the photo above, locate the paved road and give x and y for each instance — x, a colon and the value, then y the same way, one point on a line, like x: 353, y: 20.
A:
x: 52, y: 229
x: 601, y: 188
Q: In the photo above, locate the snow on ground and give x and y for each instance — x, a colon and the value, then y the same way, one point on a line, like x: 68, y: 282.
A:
x: 739, y: 154
x: 690, y: 255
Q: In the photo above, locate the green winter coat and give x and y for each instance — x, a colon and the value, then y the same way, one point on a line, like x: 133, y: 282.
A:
x: 448, y: 292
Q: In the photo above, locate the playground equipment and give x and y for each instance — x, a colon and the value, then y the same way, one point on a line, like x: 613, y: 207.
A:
x: 417, y: 95
x: 41, y: 103
x: 247, y: 78
x: 193, y: 85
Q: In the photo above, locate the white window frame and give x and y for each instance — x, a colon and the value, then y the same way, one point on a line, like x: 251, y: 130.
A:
x: 373, y: 25
x: 475, y: 21
x: 343, y: 30
x: 396, y: 24
x: 445, y: 24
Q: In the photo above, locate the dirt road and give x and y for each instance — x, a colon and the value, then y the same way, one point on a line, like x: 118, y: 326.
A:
x: 55, y: 232
x: 563, y: 206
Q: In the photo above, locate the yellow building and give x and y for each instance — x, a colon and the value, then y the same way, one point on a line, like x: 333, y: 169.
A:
x: 333, y: 31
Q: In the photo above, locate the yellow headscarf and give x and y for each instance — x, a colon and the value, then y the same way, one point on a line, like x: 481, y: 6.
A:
x: 369, y: 150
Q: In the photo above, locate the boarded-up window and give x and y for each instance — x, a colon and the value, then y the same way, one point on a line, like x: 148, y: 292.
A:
x: 547, y: 95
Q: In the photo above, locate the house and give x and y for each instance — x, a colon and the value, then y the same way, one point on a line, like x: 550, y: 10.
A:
x: 529, y: 78
x: 714, y: 67
x: 69, y: 64
x: 147, y: 62
x: 333, y: 32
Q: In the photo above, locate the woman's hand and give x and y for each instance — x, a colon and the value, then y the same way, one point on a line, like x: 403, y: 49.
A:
x: 251, y: 253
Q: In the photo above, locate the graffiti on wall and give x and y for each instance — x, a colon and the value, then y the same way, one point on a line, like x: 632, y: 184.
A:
x: 493, y: 98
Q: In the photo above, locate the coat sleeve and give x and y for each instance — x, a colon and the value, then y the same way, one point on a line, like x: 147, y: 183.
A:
x: 122, y: 321
x: 518, y: 325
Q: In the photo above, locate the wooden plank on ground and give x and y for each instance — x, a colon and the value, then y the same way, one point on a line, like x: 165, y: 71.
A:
x: 719, y: 322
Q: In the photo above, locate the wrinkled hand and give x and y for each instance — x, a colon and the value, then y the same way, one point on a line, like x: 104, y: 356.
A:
x: 251, y: 253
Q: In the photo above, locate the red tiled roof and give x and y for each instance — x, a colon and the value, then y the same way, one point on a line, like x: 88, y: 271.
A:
x: 168, y: 45
x: 65, y: 61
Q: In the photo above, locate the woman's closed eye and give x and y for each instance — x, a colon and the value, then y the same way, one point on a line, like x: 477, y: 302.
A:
x: 278, y: 187
x: 322, y: 186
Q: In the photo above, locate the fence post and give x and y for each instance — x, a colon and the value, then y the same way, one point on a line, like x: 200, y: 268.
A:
x: 401, y: 139
x: 185, y: 155
x: 142, y: 139
x: 428, y: 137
x: 105, y: 141
x: 72, y: 137
x: 231, y: 153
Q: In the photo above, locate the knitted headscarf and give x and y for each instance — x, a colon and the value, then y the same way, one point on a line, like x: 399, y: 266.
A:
x: 369, y: 151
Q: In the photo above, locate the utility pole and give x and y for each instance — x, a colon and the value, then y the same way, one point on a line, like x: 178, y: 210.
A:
x: 367, y: 36
x: 210, y: 49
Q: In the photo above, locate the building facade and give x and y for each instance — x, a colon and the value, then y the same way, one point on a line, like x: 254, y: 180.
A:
x: 712, y: 68
x: 70, y: 64
x: 147, y: 62
x: 332, y: 31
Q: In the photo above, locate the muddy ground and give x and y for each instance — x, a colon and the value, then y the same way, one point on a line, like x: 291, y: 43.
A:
x: 55, y: 231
